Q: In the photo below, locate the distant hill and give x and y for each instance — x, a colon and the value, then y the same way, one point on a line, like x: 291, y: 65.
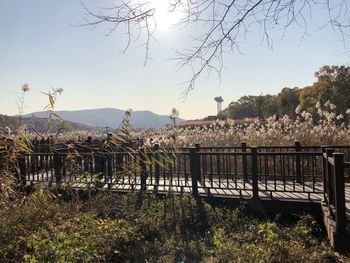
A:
x: 109, y: 117
x: 39, y: 124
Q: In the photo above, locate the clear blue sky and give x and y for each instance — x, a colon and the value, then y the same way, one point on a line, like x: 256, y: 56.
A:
x: 39, y: 46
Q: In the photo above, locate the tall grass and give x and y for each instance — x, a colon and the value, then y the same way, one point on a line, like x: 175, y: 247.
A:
x: 323, y: 128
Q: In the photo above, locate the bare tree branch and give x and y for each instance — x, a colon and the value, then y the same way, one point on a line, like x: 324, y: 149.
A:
x: 224, y: 25
x: 136, y: 17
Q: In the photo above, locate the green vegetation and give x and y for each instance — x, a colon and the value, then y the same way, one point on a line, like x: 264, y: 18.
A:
x: 144, y: 228
x: 332, y: 85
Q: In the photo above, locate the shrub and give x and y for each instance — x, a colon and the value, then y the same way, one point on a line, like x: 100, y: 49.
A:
x: 84, y: 238
x: 139, y: 227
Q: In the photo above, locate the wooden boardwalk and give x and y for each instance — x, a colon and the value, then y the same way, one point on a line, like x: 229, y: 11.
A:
x: 268, y: 190
x: 285, y: 176
x: 291, y: 193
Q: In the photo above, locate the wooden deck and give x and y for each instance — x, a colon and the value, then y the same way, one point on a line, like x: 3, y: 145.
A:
x: 268, y: 190
x: 280, y: 176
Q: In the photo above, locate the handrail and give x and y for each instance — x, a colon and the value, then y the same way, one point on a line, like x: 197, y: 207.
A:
x: 299, y: 170
x: 334, y: 188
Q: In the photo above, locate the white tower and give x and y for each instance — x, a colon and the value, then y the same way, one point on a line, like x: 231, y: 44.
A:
x: 218, y: 100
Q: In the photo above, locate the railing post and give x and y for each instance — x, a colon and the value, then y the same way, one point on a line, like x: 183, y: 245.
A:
x: 109, y: 171
x: 297, y: 147
x: 57, y: 165
x: 324, y: 169
x: 97, y: 168
x: 244, y: 162
x: 194, y: 170
x: 119, y: 162
x: 143, y: 173
x: 330, y: 192
x: 198, y: 161
x: 255, y: 183
x: 339, y: 190
x: 22, y: 171
x: 100, y: 165
x: 156, y: 167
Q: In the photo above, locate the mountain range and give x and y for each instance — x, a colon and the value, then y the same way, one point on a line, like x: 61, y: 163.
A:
x: 39, y: 124
x: 110, y: 117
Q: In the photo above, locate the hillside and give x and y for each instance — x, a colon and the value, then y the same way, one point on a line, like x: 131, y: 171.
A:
x: 109, y: 117
x: 39, y: 124
x: 331, y: 86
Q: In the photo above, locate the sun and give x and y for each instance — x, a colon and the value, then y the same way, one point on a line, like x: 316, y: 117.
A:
x: 164, y: 18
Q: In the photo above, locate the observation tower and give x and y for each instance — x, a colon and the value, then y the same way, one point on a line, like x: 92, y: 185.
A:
x: 219, y: 101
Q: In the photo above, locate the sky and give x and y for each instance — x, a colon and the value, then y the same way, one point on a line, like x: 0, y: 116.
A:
x: 41, y: 45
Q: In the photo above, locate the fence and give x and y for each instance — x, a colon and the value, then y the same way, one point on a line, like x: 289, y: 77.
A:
x: 242, y: 171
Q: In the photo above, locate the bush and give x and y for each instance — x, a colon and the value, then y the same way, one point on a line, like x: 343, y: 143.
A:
x: 85, y: 238
x: 142, y: 227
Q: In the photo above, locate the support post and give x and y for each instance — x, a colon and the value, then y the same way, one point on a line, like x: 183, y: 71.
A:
x: 57, y: 165
x: 97, y: 168
x: 156, y: 167
x: 194, y: 168
x: 330, y: 192
x: 22, y: 171
x: 100, y: 165
x: 244, y: 162
x: 324, y: 168
x: 255, y: 183
x: 297, y: 147
x: 339, y: 190
x: 119, y: 162
x: 198, y: 161
x: 143, y: 173
x: 109, y: 171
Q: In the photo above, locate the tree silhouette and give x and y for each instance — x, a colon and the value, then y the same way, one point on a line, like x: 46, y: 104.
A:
x: 174, y: 115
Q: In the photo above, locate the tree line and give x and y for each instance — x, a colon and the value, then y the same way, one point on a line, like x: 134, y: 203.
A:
x: 332, y: 84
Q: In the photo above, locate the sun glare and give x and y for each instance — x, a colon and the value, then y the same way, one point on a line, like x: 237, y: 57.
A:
x: 165, y: 18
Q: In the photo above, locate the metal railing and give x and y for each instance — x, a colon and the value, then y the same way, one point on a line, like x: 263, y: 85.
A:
x: 243, y: 171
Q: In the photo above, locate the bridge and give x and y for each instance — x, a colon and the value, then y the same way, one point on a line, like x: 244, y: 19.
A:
x: 275, y: 177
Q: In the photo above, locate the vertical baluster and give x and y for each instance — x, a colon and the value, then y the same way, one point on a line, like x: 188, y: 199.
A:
x: 255, y: 182
x: 194, y: 170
